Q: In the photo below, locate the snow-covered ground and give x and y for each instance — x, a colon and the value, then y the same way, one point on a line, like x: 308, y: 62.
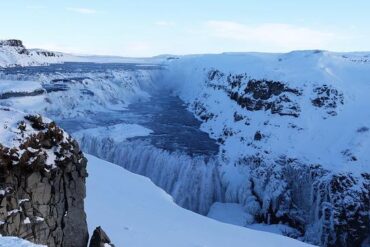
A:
x: 134, y: 212
x: 16, y: 242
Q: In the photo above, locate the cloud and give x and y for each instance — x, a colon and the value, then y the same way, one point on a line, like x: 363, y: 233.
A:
x: 270, y: 36
x: 165, y: 24
x: 85, y: 11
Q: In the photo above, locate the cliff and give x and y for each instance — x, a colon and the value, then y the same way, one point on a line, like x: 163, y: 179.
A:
x: 42, y: 182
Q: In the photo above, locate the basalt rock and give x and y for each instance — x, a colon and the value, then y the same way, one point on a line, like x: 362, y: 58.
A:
x: 42, y: 182
x: 257, y: 95
x: 100, y: 239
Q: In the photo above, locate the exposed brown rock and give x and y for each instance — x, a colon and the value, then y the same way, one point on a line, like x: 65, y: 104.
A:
x: 40, y: 201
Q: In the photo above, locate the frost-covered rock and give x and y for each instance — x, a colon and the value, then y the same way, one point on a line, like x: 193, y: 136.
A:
x: 42, y: 181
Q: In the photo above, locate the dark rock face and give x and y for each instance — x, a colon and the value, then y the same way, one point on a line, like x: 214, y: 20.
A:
x: 100, y: 239
x: 46, y: 53
x: 42, y: 186
x: 12, y: 42
x: 328, y: 98
x: 257, y: 95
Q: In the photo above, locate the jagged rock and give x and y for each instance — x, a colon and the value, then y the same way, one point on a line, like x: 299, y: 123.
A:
x: 100, y: 239
x: 328, y: 98
x: 12, y: 42
x: 256, y: 95
x: 42, y: 182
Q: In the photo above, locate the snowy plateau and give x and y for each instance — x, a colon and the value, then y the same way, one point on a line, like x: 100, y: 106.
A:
x: 234, y: 149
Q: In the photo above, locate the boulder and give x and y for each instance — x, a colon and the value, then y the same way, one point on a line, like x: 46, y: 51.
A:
x: 100, y: 239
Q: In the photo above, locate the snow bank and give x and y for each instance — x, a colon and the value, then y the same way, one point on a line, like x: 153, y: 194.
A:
x: 16, y: 242
x: 134, y: 212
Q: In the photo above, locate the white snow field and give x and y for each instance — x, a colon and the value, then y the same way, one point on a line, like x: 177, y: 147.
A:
x: 16, y: 242
x: 136, y: 213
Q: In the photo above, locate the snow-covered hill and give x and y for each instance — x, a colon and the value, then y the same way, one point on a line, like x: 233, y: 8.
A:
x: 134, y: 212
x: 14, y: 54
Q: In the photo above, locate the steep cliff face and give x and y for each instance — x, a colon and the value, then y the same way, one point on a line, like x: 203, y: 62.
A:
x: 42, y: 182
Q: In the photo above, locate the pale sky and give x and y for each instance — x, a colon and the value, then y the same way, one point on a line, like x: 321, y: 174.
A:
x: 153, y: 27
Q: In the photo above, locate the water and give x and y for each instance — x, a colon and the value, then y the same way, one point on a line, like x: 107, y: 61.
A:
x: 74, y: 67
x: 174, y: 127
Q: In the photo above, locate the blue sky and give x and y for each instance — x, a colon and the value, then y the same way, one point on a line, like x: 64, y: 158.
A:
x: 152, y: 27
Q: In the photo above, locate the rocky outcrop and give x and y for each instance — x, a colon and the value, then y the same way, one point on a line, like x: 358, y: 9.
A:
x: 16, y: 44
x: 257, y: 95
x: 100, y: 239
x: 328, y: 98
x: 42, y: 182
x: 12, y: 42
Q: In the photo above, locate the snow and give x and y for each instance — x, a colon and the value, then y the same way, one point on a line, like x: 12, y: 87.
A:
x: 117, y: 133
x: 93, y: 92
x: 231, y: 213
x: 134, y: 212
x: 7, y: 86
x: 328, y: 137
x: 9, y: 131
x: 274, y: 228
x: 16, y: 242
x: 12, y: 56
x: 27, y: 221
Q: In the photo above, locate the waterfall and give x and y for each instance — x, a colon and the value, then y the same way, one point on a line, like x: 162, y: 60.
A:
x: 193, y: 182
